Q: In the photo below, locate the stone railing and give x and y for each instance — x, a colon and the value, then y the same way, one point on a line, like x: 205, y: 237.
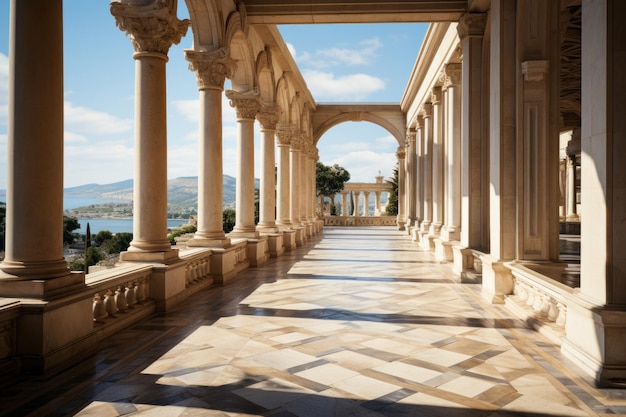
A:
x: 540, y: 299
x: 198, y: 265
x: 120, y: 290
x: 360, y: 221
x: 9, y: 365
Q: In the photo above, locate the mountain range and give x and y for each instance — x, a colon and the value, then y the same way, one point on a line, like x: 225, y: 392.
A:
x: 181, y: 192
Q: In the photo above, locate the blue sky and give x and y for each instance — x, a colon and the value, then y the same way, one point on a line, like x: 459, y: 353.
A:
x: 340, y: 63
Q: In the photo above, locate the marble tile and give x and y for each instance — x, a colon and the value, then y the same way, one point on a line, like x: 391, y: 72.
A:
x: 358, y: 322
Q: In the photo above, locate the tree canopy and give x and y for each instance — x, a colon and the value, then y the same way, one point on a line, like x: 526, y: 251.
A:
x: 329, y: 180
x: 392, y: 203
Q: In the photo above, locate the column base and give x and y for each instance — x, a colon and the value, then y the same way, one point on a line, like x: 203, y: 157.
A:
x: 275, y: 244
x: 450, y: 233
x: 196, y: 242
x: 42, y: 288
x: 572, y: 217
x: 257, y: 251
x: 497, y: 280
x: 166, y: 257
x: 463, y: 259
x: 401, y: 225
x: 267, y: 228
x: 443, y: 250
x: 244, y: 234
x: 289, y: 239
x: 595, y: 341
x: 426, y: 241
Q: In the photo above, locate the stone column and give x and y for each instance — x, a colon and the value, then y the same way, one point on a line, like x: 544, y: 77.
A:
x: 366, y: 203
x: 211, y: 68
x: 401, y: 155
x: 284, y: 134
x: 302, y: 181
x: 34, y: 209
x: 437, y: 167
x: 497, y: 279
x: 411, y: 183
x: 570, y: 192
x: 596, y: 316
x: 344, y: 203
x: 452, y: 227
x: 419, y: 173
x: 247, y: 106
x: 427, y: 167
x: 377, y: 203
x: 268, y: 118
x: 471, y: 29
x: 141, y: 23
x: 294, y: 178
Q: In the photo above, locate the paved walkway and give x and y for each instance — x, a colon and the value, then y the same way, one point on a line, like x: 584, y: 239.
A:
x: 361, y: 322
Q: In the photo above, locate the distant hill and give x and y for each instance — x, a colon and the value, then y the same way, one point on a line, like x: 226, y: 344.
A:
x: 181, y: 192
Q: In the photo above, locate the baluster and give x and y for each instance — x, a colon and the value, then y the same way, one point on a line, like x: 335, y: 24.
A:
x: 120, y: 299
x: 99, y: 308
x: 109, y: 303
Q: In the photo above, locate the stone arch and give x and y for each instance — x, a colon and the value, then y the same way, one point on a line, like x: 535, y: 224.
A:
x: 282, y: 98
x: 244, y: 77
x: 206, y: 24
x: 265, y: 77
x: 296, y: 111
x: 387, y: 116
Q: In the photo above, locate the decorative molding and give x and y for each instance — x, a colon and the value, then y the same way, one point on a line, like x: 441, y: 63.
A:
x: 268, y: 117
x: 401, y: 152
x: 284, y: 134
x: 411, y: 135
x: 535, y: 70
x: 452, y: 74
x: 246, y: 103
x: 211, y: 67
x: 472, y: 24
x: 435, y: 95
x: 426, y: 110
x: 153, y: 27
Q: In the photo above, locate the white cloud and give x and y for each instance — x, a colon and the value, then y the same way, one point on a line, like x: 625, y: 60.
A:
x: 324, y: 58
x: 353, y: 87
x: 188, y: 109
x: 386, y: 142
x: 94, y: 122
x: 86, y: 164
x: 69, y: 137
x: 363, y: 166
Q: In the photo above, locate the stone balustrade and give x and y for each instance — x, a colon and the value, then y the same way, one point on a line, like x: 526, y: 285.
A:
x: 360, y: 221
x: 198, y: 265
x: 119, y: 290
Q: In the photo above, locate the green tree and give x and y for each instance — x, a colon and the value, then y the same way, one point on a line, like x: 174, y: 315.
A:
x: 118, y: 243
x: 92, y: 257
x: 228, y: 220
x: 69, y: 225
x: 102, y: 236
x: 182, y: 231
x: 392, y: 202
x: 329, y: 180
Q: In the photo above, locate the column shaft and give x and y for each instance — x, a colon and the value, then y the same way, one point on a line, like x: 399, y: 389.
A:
x: 437, y: 170
x: 294, y: 182
x: 35, y: 150
x: 427, y: 167
x: 283, y: 210
x: 401, y: 154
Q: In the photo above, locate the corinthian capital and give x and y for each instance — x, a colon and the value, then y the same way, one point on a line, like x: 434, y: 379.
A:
x: 211, y: 67
x: 452, y: 75
x: 247, y: 103
x: 401, y: 152
x: 284, y: 134
x: 410, y: 136
x: 471, y: 24
x: 268, y: 117
x: 152, y: 27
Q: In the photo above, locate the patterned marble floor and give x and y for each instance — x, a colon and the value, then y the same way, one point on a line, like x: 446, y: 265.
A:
x: 360, y: 322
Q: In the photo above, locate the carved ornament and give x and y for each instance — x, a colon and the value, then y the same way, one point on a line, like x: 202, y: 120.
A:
x: 284, y: 134
x: 211, y: 67
x: 401, y: 152
x: 268, y: 117
x: 435, y: 95
x: 426, y: 110
x: 472, y: 24
x: 152, y: 27
x: 452, y: 75
x: 246, y: 104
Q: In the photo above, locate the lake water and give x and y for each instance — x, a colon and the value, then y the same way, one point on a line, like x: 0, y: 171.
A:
x: 117, y: 225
